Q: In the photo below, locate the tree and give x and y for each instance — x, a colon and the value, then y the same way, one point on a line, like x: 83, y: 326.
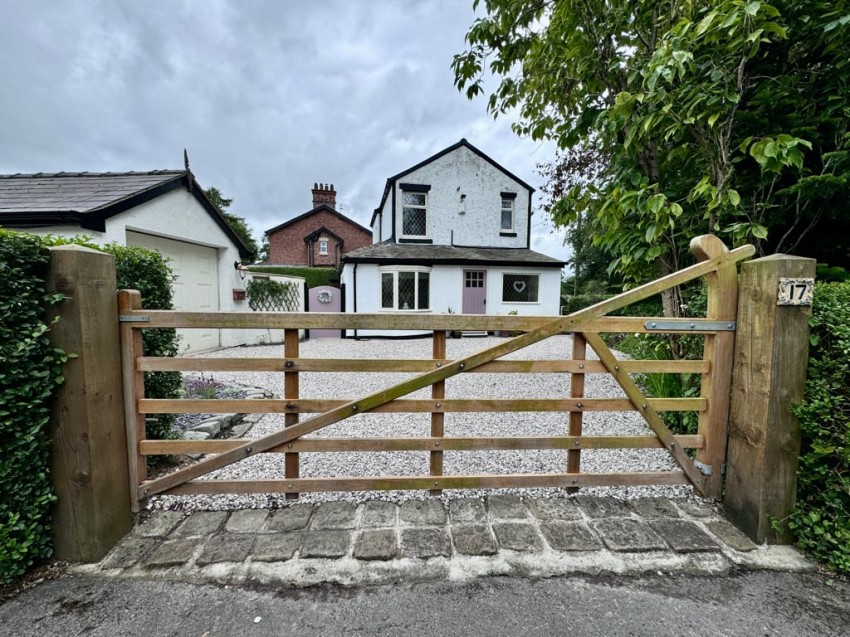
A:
x: 674, y: 96
x: 238, y: 224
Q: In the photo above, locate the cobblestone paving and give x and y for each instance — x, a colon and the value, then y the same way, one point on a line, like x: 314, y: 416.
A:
x: 376, y: 542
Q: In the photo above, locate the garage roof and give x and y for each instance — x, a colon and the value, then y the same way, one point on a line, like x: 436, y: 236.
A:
x: 88, y: 199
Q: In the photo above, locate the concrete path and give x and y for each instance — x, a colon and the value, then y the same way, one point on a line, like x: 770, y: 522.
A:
x: 425, y: 540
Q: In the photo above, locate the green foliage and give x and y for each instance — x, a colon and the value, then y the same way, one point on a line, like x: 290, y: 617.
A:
x: 148, y: 272
x: 265, y: 295
x: 727, y: 116
x: 659, y: 347
x: 668, y: 347
x: 239, y: 224
x: 821, y: 519
x: 826, y: 274
x: 313, y: 277
x: 30, y: 373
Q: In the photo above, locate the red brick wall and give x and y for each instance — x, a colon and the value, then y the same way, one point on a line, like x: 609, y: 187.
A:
x: 287, y: 247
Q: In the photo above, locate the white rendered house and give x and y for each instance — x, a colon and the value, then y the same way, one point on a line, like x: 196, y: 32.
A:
x: 452, y: 234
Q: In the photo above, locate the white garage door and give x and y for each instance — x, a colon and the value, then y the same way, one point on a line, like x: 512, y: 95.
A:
x: 196, y: 285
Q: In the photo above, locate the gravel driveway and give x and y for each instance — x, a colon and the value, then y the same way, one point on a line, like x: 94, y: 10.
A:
x: 349, y: 385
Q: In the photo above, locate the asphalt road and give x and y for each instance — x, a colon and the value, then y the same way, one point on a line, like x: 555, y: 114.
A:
x: 748, y: 604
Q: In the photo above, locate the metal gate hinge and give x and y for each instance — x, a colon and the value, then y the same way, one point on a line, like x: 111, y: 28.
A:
x: 686, y: 326
x: 703, y: 468
x: 706, y: 469
x: 134, y: 319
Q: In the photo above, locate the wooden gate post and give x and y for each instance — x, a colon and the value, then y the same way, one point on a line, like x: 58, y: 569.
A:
x: 771, y: 354
x: 88, y: 455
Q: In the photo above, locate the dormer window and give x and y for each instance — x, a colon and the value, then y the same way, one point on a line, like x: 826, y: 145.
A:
x: 414, y: 210
x: 508, y: 213
x: 414, y: 214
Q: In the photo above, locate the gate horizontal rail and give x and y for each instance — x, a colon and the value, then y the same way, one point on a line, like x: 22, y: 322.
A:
x: 717, y: 264
x: 169, y: 447
x: 155, y: 364
x: 413, y: 405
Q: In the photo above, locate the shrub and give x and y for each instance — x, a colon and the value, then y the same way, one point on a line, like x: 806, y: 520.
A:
x: 30, y: 373
x: 265, y: 295
x: 821, y: 518
x: 148, y: 272
x: 313, y: 277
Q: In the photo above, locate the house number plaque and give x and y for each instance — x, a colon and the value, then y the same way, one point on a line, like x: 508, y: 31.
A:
x: 796, y: 291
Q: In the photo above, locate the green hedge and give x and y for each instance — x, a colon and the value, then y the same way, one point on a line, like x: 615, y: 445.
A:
x: 148, y: 272
x: 30, y: 373
x: 821, y: 519
x: 313, y: 277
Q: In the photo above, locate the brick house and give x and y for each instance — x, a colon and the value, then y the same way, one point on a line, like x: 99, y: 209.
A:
x: 319, y: 237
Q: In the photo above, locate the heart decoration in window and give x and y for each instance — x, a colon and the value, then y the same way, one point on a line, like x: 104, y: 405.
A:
x: 519, y: 286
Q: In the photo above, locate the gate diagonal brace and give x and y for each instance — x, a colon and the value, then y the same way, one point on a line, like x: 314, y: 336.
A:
x: 651, y: 416
x: 569, y: 323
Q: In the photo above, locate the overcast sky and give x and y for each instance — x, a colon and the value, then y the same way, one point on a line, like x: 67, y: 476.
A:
x: 268, y: 97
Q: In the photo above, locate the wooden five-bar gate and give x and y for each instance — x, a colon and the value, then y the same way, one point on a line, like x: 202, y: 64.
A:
x: 715, y: 262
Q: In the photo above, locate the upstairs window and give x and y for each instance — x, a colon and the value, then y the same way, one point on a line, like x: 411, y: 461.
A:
x: 323, y: 247
x: 520, y: 288
x: 405, y: 289
x: 414, y: 214
x: 507, y: 215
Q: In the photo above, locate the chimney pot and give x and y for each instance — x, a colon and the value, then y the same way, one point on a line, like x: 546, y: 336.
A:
x: 324, y: 194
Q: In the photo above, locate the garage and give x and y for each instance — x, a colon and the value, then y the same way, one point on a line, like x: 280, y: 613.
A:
x: 196, y: 285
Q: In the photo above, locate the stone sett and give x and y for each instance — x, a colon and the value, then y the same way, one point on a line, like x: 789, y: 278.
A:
x: 423, y: 513
x: 159, y: 524
x: 604, y: 507
x: 517, y: 537
x: 334, y: 515
x: 247, y: 521
x: 424, y: 543
x: 696, y: 509
x: 684, y: 536
x: 473, y: 539
x: 227, y: 547
x: 553, y: 509
x: 376, y: 544
x: 626, y: 535
x: 291, y: 518
x: 655, y: 508
x: 506, y: 507
x: 276, y: 547
x: 563, y: 535
x: 326, y: 543
x: 173, y: 552
x: 129, y: 551
x: 201, y: 524
x: 467, y: 511
x: 377, y: 514
x: 730, y: 535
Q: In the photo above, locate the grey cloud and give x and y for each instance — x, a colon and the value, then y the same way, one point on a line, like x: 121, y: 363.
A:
x: 268, y: 97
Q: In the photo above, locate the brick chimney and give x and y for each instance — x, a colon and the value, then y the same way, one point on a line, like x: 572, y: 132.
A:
x: 324, y: 194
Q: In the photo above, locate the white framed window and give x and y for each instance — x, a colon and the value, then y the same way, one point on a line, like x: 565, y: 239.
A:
x: 414, y: 214
x: 520, y: 288
x: 323, y: 246
x: 405, y: 288
x: 508, y: 214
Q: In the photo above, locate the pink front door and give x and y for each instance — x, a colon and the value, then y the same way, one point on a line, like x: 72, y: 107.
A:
x: 474, y: 292
x: 324, y: 299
